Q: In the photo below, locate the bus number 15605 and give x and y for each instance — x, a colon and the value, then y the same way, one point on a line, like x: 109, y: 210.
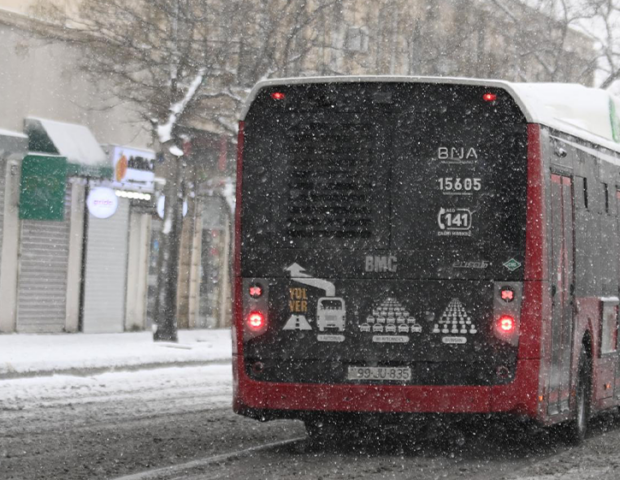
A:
x: 457, y: 184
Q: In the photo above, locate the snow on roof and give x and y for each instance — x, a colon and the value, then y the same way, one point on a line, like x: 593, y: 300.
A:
x: 10, y: 133
x: 581, y: 111
x: 76, y: 142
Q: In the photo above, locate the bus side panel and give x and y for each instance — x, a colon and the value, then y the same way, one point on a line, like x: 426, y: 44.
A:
x: 536, y: 300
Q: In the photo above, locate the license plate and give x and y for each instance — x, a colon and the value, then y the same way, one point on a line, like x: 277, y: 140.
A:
x: 396, y: 374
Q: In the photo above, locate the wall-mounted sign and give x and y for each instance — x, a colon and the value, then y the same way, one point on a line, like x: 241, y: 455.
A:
x: 133, y: 169
x: 161, y: 204
x: 102, y: 202
x: 42, y: 188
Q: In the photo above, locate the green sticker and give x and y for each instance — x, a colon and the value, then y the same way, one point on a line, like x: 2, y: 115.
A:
x: 512, y: 264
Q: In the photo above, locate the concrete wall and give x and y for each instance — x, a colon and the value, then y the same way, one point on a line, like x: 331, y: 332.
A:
x: 40, y: 78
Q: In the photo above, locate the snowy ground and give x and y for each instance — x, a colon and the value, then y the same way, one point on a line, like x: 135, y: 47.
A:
x: 113, y: 424
x: 109, y: 424
x: 22, y: 354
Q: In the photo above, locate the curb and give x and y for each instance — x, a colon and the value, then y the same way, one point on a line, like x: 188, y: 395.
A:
x: 86, y: 372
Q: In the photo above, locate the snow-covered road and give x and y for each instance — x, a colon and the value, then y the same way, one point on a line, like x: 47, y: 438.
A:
x: 116, y: 424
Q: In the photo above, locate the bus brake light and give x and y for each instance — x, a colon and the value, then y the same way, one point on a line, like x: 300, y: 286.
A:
x: 489, y: 97
x: 256, y: 321
x: 506, y: 324
x: 278, y: 96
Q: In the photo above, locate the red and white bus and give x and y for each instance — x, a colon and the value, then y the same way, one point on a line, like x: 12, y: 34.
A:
x: 465, y: 230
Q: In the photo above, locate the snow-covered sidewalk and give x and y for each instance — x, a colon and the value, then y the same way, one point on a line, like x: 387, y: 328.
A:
x: 24, y: 355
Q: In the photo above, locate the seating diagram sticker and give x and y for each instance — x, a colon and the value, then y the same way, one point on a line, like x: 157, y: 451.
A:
x: 455, y: 323
x: 390, y: 322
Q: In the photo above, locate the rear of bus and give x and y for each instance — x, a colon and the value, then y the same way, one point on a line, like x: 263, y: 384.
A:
x: 381, y: 251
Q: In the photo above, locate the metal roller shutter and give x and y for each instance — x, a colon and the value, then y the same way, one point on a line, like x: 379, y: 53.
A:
x: 42, y: 284
x: 106, y: 271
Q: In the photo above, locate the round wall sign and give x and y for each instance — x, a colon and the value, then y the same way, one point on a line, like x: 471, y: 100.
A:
x: 102, y: 202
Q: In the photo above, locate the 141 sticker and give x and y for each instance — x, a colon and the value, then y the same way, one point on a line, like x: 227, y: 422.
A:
x: 454, y: 222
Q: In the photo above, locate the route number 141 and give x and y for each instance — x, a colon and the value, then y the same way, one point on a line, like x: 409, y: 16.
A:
x: 457, y: 184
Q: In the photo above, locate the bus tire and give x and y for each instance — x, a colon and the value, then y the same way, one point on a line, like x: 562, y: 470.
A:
x: 578, y: 426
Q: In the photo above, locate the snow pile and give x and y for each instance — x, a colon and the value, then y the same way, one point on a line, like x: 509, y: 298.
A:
x: 22, y: 354
x: 212, y: 384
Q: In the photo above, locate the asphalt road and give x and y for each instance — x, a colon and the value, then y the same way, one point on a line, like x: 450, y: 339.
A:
x: 177, y: 424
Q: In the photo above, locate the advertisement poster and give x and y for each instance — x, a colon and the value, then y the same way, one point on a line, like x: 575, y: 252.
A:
x: 133, y: 169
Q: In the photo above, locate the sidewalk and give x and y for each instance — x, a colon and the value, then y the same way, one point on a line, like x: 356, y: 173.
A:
x: 28, y: 355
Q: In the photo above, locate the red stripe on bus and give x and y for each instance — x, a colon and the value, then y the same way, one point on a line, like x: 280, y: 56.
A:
x: 240, y: 141
x: 535, y: 267
x: 536, y: 302
x: 237, y: 284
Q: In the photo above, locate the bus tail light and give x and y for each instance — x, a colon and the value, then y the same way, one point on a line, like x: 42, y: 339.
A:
x: 507, y: 294
x: 256, y: 321
x: 507, y: 329
x: 255, y: 300
x: 507, y: 311
x: 256, y: 291
x: 506, y: 324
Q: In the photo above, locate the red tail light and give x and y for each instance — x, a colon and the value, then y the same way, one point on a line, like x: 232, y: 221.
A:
x: 278, y: 96
x: 507, y: 294
x: 506, y: 324
x: 256, y: 321
x: 256, y: 291
x: 489, y: 97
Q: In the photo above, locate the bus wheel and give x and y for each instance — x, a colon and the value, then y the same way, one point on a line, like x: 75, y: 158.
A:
x: 578, y: 426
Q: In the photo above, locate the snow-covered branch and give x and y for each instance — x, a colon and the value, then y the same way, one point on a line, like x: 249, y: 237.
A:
x: 164, y: 132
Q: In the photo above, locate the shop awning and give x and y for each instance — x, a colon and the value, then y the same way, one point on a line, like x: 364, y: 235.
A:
x: 84, y: 155
x: 13, y: 144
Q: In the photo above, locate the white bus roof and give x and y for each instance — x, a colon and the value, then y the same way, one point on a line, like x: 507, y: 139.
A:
x: 581, y: 111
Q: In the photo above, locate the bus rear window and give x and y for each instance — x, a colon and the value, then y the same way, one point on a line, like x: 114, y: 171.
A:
x: 385, y: 166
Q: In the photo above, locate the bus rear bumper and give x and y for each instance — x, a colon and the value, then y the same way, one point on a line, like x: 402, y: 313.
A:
x: 274, y: 400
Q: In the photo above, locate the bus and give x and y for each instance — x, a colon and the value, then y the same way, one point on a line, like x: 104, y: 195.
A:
x: 466, y: 232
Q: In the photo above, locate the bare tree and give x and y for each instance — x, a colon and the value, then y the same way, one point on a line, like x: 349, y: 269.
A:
x: 183, y: 65
x: 555, y: 51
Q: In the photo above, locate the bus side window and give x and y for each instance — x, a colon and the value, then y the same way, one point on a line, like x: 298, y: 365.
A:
x: 581, y: 193
x: 606, y: 197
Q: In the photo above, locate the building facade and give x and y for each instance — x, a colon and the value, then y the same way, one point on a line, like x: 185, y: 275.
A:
x: 91, y: 274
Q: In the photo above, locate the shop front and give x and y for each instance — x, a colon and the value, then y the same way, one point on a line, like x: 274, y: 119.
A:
x: 117, y: 244
x: 62, y: 159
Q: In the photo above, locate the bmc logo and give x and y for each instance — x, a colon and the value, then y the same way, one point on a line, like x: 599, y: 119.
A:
x: 383, y: 263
